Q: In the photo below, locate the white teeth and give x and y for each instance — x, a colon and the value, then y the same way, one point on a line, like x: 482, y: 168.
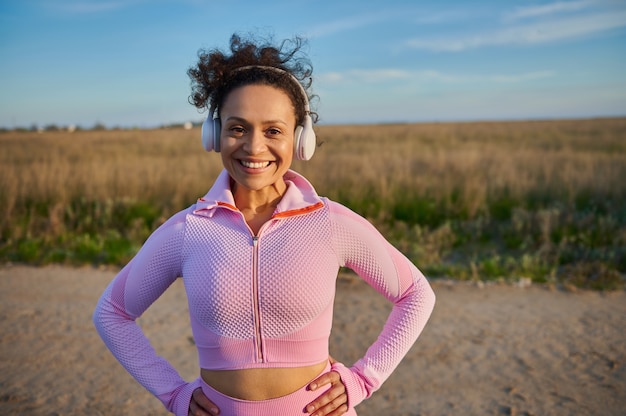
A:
x: 255, y: 165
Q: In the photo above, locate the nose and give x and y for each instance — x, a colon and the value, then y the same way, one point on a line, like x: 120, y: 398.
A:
x: 255, y: 143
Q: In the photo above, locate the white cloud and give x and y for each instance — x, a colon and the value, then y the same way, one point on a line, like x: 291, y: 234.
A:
x: 446, y: 16
x: 343, y: 25
x: 89, y: 7
x: 532, y: 33
x: 548, y: 9
x: 528, y: 76
x: 331, y: 77
x: 379, y: 76
x: 373, y: 76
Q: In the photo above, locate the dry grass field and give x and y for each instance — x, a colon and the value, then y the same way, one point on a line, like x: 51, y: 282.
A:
x: 539, y: 200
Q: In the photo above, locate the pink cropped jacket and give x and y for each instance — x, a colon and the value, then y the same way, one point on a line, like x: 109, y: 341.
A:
x: 265, y: 300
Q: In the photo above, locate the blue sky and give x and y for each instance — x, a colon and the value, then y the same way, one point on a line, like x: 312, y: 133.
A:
x: 124, y: 62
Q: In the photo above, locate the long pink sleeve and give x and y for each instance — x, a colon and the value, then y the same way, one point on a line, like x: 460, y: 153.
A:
x: 136, y: 287
x: 382, y: 266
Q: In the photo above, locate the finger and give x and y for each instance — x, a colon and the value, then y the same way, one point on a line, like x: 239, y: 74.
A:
x: 195, y: 410
x: 335, y: 407
x: 341, y: 410
x: 202, y: 406
x: 332, y: 377
x: 329, y: 396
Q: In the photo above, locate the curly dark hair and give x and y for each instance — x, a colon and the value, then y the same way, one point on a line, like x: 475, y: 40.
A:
x: 216, y: 74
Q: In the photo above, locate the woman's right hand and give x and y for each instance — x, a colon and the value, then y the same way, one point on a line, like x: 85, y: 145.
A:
x: 200, y: 405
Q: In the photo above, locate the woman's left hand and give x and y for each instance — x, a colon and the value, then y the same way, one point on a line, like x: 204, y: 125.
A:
x: 334, y: 401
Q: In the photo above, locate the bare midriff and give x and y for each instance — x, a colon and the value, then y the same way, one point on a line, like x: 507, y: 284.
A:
x: 261, y: 383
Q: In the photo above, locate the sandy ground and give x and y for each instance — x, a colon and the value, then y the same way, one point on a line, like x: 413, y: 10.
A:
x: 491, y: 350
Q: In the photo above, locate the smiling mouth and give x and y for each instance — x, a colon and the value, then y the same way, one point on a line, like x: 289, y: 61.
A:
x: 254, y: 165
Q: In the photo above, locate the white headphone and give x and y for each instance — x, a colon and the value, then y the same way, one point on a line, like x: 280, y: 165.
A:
x: 304, y: 136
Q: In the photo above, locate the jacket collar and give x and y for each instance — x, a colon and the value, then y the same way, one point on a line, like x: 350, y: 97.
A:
x: 299, y: 198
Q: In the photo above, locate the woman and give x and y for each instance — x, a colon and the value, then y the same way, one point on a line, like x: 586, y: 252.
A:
x: 259, y: 256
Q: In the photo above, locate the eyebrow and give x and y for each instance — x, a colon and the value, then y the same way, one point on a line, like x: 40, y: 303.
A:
x: 243, y: 120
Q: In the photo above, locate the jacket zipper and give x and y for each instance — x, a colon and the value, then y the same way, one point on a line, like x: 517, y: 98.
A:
x: 259, y: 347
x: 256, y: 295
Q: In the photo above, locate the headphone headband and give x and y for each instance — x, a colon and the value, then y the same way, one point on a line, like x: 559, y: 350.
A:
x: 282, y: 72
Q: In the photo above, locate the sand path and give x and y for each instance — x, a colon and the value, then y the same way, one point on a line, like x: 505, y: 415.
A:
x: 494, y: 350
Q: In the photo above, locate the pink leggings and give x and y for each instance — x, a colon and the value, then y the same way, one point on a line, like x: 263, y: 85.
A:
x: 290, y: 405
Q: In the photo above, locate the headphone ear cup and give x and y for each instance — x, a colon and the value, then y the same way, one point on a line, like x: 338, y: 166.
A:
x: 217, y: 133
x: 211, y: 131
x: 305, y: 140
x: 208, y: 133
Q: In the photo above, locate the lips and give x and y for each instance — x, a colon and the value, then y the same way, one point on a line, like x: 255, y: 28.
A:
x: 254, y: 165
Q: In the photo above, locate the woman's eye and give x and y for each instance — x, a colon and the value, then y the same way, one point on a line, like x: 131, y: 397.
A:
x: 273, y: 132
x: 237, y: 130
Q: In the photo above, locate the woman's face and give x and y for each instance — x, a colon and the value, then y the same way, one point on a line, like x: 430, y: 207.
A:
x: 258, y: 124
